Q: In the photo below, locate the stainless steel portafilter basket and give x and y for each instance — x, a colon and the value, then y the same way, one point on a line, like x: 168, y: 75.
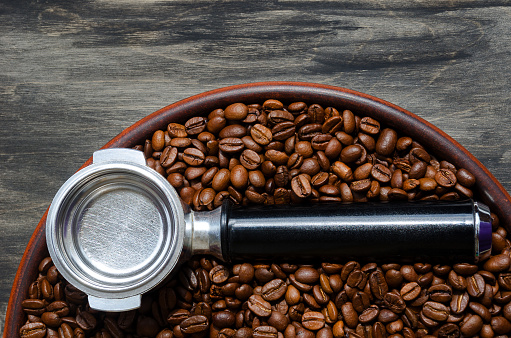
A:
x: 117, y: 229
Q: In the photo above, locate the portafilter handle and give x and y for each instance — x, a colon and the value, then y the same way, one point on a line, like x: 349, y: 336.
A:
x: 455, y: 230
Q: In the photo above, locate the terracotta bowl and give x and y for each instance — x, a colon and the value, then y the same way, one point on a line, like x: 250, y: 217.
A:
x: 489, y: 190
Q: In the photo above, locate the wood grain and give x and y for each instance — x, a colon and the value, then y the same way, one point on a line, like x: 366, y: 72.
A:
x: 75, y: 74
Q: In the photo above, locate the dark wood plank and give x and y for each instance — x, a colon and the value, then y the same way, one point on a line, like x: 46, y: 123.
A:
x: 75, y: 74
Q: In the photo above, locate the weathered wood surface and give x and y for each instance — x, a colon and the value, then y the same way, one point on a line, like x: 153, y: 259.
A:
x: 75, y: 74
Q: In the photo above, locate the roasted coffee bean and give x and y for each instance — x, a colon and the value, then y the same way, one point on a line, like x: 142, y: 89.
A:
x: 274, y: 290
x: 261, y: 134
x: 410, y: 291
x: 343, y: 171
x: 194, y: 324
x: 193, y: 156
x: 475, y: 285
x: 471, y: 326
x: 386, y: 142
x: 440, y: 293
x: 445, y: 178
x: 456, y: 281
x: 222, y: 319
x: 381, y: 173
x: 86, y: 320
x: 33, y: 306
x: 301, y: 186
x: 349, y: 314
x: 259, y: 306
x: 378, y: 284
x: 369, y: 314
x: 265, y: 331
x: 459, y: 302
x: 504, y: 280
x: 239, y: 177
x: 497, y: 263
x: 435, y: 311
x: 313, y: 320
x: 177, y: 316
x: 369, y: 125
x: 360, y: 301
x: 310, y: 166
x: 231, y: 145
x: 449, y: 330
x: 195, y: 125
x: 218, y: 274
x: 307, y: 275
x: 33, y: 330
x: 236, y: 111
x: 176, y: 130
x: 233, y: 130
x: 394, y: 302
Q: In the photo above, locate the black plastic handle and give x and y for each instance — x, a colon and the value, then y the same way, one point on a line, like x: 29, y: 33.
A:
x: 415, y: 230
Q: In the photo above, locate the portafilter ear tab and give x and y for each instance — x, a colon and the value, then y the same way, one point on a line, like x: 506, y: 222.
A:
x: 116, y: 229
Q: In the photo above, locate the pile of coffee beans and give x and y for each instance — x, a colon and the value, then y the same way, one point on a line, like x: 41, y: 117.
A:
x: 271, y: 153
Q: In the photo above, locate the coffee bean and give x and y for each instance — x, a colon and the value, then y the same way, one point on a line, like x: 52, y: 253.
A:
x: 261, y: 134
x: 265, y: 331
x: 283, y: 130
x: 219, y: 274
x: 458, y: 282
x: 369, y: 314
x: 410, y: 291
x: 195, y: 125
x: 222, y: 319
x: 369, y: 125
x: 386, y: 142
x: 33, y: 306
x: 313, y: 320
x: 33, y: 330
x: 193, y: 156
x: 276, y: 156
x: 471, y: 326
x: 435, y: 311
x: 274, y: 290
x: 239, y: 177
x: 394, y: 302
x: 231, y: 145
x: 445, y: 178
x: 449, y: 330
x: 332, y: 125
x: 233, y: 131
x: 381, y: 173
x: 440, y: 293
x: 236, y: 111
x: 307, y: 275
x: 310, y: 166
x: 497, y: 263
x: 459, y: 302
x: 475, y: 285
x: 259, y: 306
x: 343, y: 171
x: 349, y: 314
x: 465, y: 177
x: 194, y: 324
x: 301, y: 186
x: 86, y: 320
x: 419, y: 154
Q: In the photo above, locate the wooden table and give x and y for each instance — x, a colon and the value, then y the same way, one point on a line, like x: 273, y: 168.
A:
x: 75, y: 74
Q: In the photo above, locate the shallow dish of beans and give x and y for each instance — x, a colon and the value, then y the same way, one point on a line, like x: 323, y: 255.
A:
x: 279, y: 143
